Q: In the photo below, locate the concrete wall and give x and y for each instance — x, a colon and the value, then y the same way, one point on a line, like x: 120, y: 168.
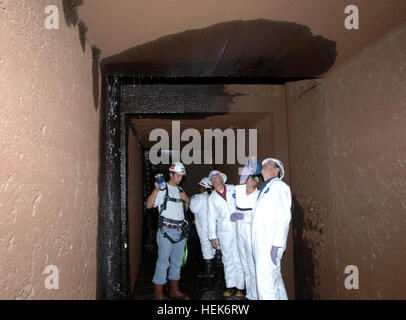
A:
x: 266, y: 104
x: 348, y: 162
x: 313, y: 231
x: 49, y: 159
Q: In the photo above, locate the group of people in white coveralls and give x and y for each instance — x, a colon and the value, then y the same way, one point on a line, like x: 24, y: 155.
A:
x: 249, y: 225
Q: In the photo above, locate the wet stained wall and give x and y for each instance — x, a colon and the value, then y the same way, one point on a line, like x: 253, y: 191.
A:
x: 310, y: 172
x: 348, y: 155
x: 49, y: 160
x: 135, y: 205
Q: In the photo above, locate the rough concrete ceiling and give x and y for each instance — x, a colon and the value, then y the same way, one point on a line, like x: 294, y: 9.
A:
x: 255, y: 48
x: 116, y: 26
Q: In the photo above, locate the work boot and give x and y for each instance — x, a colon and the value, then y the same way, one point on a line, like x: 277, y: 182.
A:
x: 159, y: 292
x: 228, y: 292
x: 174, y: 292
x: 239, y: 293
x: 208, y: 270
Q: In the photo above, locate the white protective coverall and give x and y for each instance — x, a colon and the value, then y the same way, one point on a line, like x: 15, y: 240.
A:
x: 199, y: 206
x: 222, y: 228
x: 270, y: 227
x: 244, y: 205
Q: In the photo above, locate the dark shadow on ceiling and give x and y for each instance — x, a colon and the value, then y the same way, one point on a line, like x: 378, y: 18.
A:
x: 244, y: 49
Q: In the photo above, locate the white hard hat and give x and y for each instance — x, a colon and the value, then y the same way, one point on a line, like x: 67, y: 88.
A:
x: 205, y: 183
x: 178, y: 167
x: 214, y: 173
x: 278, y: 163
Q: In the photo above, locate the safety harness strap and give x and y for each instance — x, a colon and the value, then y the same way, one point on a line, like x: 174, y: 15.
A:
x: 243, y: 209
x: 168, y: 198
x: 161, y: 219
x: 171, y: 221
x: 185, y: 231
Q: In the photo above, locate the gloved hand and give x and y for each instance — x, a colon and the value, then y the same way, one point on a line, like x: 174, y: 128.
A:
x: 274, y: 254
x: 237, y: 216
x: 246, y: 172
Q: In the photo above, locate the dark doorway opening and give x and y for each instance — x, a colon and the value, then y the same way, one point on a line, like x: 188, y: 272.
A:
x: 132, y: 108
x: 196, y: 288
x: 125, y: 98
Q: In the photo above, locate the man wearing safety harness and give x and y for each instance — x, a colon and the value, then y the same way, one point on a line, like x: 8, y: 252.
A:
x: 270, y: 227
x: 222, y: 232
x: 172, y: 203
x: 199, y: 206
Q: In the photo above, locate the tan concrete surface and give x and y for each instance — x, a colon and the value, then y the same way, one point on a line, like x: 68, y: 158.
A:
x: 348, y: 154
x: 49, y: 157
x: 115, y: 26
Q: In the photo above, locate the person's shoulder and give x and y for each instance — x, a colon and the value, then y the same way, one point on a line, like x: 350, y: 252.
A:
x: 197, y: 196
x: 176, y: 188
x: 281, y: 184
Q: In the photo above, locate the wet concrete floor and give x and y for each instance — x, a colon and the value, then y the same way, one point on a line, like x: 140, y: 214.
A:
x: 196, y: 288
